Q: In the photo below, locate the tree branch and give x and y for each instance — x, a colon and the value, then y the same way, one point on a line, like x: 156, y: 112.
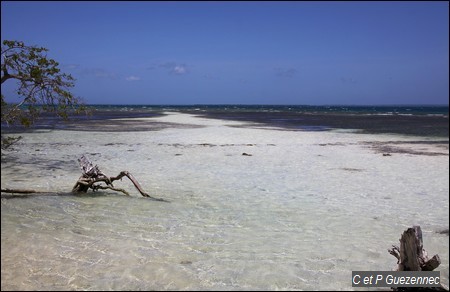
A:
x: 40, y: 83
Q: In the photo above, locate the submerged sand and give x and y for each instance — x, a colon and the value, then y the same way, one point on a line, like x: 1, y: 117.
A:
x: 252, y: 207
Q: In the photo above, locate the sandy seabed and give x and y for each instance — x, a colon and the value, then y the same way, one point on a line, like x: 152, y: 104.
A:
x: 251, y: 207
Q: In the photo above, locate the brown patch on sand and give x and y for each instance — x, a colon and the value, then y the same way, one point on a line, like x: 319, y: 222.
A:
x: 427, y: 148
x: 352, y: 169
x: 443, y: 231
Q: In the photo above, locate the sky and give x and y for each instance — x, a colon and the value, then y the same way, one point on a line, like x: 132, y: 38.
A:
x: 232, y: 52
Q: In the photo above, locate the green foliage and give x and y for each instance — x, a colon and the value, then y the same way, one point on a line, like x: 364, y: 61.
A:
x: 41, y: 85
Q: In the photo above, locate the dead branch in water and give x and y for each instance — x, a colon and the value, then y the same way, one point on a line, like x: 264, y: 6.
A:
x: 91, y: 175
x: 21, y: 191
x: 91, y: 178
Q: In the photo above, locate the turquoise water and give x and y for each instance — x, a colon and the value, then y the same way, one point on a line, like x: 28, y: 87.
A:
x: 301, y: 213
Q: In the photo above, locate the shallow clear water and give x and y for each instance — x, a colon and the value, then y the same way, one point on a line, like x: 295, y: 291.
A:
x: 302, y: 212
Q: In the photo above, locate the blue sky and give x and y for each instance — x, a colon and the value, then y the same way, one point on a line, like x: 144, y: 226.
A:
x: 312, y: 53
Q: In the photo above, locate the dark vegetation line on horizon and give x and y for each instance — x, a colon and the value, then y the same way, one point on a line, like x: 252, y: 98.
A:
x: 278, y: 105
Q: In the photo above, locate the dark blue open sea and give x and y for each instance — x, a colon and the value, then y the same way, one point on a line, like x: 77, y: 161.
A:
x: 389, y: 110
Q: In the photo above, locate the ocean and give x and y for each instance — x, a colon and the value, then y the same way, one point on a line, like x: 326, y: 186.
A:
x: 260, y: 197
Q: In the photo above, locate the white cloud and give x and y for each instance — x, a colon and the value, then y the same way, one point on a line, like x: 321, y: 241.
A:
x: 171, y: 67
x: 179, y: 70
x: 133, y: 78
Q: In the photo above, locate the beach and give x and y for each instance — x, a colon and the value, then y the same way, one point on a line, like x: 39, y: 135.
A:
x: 252, y: 206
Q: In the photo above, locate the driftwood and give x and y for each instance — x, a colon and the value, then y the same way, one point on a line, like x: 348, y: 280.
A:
x: 22, y: 191
x: 411, y: 256
x: 91, y: 175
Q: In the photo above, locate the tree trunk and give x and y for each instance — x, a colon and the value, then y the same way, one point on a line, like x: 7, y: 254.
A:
x: 412, y: 256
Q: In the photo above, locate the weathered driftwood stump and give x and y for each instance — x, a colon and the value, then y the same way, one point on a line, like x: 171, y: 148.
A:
x: 91, y: 175
x: 411, y: 256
